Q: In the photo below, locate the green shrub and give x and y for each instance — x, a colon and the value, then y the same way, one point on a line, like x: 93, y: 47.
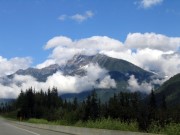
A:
x: 172, y: 129
x: 38, y: 121
x: 109, y: 124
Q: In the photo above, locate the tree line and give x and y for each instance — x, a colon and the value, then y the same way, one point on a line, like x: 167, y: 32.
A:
x: 125, y: 107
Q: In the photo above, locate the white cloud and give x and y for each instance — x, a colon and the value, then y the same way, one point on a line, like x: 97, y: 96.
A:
x: 151, y: 49
x: 153, y: 52
x: 81, y: 18
x: 77, y: 84
x: 77, y: 17
x: 9, y: 66
x: 65, y: 84
x: 63, y: 17
x: 152, y: 41
x: 56, y: 41
x: 149, y: 3
x: 151, y: 60
x: 65, y: 48
x: 107, y: 82
x: 9, y: 91
x: 46, y: 63
x: 135, y: 86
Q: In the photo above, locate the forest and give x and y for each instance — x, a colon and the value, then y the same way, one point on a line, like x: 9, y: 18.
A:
x: 123, y: 107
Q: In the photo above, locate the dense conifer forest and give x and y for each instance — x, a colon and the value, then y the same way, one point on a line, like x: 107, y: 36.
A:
x: 124, y: 107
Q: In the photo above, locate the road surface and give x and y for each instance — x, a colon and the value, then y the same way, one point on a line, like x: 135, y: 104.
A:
x: 8, y: 128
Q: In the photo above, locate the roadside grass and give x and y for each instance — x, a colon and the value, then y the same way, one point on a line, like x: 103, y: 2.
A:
x: 10, y: 115
x: 100, y: 124
x: 38, y: 121
x: 109, y: 124
x: 170, y: 129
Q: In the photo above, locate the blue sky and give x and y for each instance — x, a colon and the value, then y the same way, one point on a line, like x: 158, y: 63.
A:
x: 26, y: 26
x: 38, y: 33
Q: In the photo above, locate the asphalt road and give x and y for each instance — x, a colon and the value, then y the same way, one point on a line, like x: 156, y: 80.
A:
x: 8, y: 128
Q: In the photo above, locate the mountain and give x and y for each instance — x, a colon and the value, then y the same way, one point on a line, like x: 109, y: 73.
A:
x: 119, y: 70
x: 171, y: 90
x: 40, y: 74
x: 118, y: 67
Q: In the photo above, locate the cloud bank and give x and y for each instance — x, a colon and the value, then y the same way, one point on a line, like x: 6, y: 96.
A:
x: 9, y: 66
x: 64, y: 84
x: 153, y: 52
x: 150, y: 51
x: 65, y: 48
x: 152, y: 41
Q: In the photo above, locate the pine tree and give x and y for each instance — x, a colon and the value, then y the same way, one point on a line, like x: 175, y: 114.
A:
x: 94, y: 106
x: 152, y: 102
x: 152, y: 107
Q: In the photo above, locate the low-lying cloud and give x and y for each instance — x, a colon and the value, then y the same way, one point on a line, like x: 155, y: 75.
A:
x: 135, y: 86
x: 145, y: 87
x: 64, y: 84
x: 9, y: 66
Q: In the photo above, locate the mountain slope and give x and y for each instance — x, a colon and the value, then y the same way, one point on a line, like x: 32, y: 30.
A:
x: 117, y: 69
x: 121, y: 67
x: 171, y: 90
x: 40, y: 74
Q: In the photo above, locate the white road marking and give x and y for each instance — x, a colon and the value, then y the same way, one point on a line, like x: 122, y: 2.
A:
x: 24, y: 130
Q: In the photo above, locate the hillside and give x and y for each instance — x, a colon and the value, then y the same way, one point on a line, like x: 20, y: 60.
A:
x: 171, y: 90
x: 118, y: 70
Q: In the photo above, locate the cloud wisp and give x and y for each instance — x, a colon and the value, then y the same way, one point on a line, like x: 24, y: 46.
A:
x: 77, y: 17
x: 149, y: 3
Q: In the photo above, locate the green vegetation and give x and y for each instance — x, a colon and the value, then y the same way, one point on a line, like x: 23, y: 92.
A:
x: 123, y: 111
x: 172, y: 129
x: 171, y: 90
x: 10, y: 115
x: 37, y: 121
x: 109, y: 124
x: 100, y: 124
x: 169, y: 129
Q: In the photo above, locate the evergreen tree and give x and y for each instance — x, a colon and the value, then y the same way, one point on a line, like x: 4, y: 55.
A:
x: 152, y: 102
x: 94, y: 106
x: 152, y: 106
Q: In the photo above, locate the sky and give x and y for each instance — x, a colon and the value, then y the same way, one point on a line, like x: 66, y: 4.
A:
x: 37, y: 33
x: 26, y: 26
